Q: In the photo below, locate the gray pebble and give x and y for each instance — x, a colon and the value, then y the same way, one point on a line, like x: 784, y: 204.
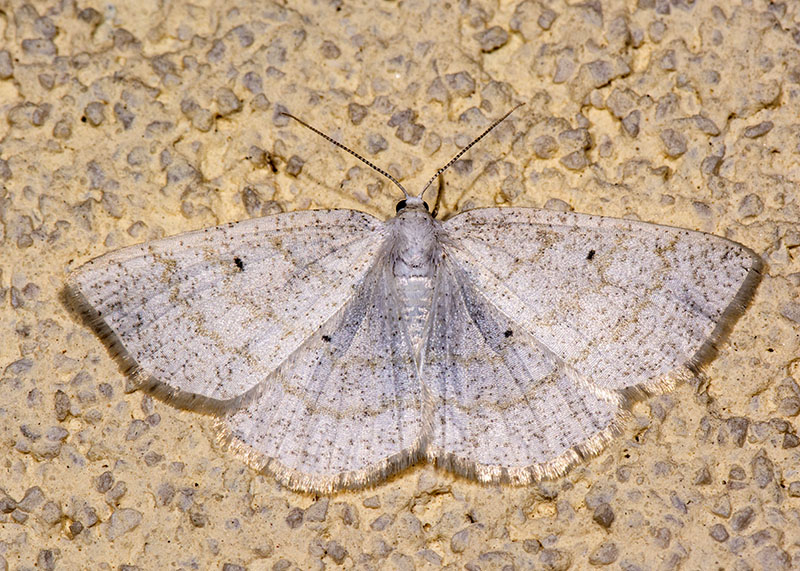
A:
x: 565, y: 66
x: 718, y: 532
x: 790, y: 440
x: 492, y: 39
x: 233, y: 567
x: 245, y: 35
x: 294, y: 166
x: 336, y: 552
x: 790, y: 311
x: 90, y: 16
x: 401, y: 118
x: 51, y: 513
x: 56, y: 433
x: 46, y: 559
x: 711, y: 164
x: 706, y: 125
x: 8, y: 505
x: 662, y: 537
x: 122, y: 521
x: 357, y: 113
x: 605, y: 554
x: 61, y: 404
x: 217, y: 51
x: 668, y: 61
x: 75, y: 528
x: 317, y: 511
x: 330, y: 50
x: 437, y: 91
x: 39, y: 47
x: 104, y: 482
x: 555, y: 559
x: 124, y: 115
x: 576, y: 137
x: 460, y: 83
x: 165, y: 493
x: 227, y: 102
x: 62, y: 129
x: 371, y: 502
x: 631, y: 122
x: 620, y: 102
x: 751, y: 205
x: 135, y: 429
x: 376, y: 143
x: 462, y: 166
x: 737, y: 473
x: 115, y: 494
x: 532, y: 546
x: 198, y: 518
x: 430, y: 556
x: 382, y: 522
x: 460, y: 540
x: 674, y: 143
x: 759, y: 130
x: 788, y: 392
x: 6, y: 65
x: 575, y: 161
x: 722, y: 506
x: 46, y: 80
x: 410, y: 133
x: 763, y: 470
x: 260, y: 102
x: 153, y: 458
x: 252, y: 81
x: 702, y: 477
x: 294, y: 518
x: 602, y: 72
x: 33, y: 498
x: 544, y: 147
x: 737, y: 426
x: 546, y: 18
x: 774, y: 558
x: 742, y: 518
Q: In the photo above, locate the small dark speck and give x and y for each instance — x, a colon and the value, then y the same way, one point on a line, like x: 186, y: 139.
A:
x: 239, y: 263
x: 508, y: 333
x: 326, y: 338
x: 590, y: 255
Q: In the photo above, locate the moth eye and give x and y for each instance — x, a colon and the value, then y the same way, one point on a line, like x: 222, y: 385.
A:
x: 427, y: 208
x: 400, y: 206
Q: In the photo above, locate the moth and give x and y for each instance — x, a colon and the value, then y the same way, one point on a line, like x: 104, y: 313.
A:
x: 336, y: 349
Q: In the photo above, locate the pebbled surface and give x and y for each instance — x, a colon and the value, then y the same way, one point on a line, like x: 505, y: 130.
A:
x: 125, y: 123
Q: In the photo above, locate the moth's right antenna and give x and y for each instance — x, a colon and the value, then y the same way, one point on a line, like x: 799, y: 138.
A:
x: 468, y: 147
x: 355, y: 154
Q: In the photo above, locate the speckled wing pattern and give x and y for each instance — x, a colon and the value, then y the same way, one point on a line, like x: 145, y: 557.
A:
x: 546, y: 326
x: 543, y: 328
x: 203, y: 317
x: 347, y: 408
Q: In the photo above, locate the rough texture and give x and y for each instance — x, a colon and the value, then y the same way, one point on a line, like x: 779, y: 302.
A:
x: 128, y: 123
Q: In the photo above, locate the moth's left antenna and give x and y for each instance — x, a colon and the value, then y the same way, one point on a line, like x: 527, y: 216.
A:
x: 355, y: 154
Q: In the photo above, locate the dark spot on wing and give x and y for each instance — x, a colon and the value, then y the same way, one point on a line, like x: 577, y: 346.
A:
x: 326, y: 338
x: 239, y: 263
x: 508, y: 333
x: 590, y: 255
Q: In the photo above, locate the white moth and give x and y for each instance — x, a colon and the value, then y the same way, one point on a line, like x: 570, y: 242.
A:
x: 504, y: 344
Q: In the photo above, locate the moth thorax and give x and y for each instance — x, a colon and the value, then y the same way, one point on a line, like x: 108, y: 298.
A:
x: 416, y: 247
